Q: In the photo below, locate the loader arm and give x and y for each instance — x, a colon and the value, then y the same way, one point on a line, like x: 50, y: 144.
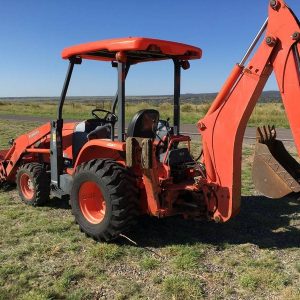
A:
x: 223, y: 127
x: 21, y: 145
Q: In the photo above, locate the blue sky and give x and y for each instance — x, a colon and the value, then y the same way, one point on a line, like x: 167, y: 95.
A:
x: 33, y: 33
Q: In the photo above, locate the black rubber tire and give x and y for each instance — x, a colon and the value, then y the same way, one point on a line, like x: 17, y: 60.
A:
x: 120, y: 194
x: 40, y: 180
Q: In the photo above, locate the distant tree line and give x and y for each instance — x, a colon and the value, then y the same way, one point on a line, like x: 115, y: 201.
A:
x: 266, y: 97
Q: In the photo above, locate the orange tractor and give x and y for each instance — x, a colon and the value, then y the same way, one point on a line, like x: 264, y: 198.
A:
x: 113, y: 175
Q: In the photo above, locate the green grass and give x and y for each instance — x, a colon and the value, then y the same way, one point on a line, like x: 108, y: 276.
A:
x: 12, y: 129
x: 149, y: 263
x: 43, y: 255
x: 181, y: 287
x: 264, y: 113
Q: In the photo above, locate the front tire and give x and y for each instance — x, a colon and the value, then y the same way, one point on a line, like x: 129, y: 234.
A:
x: 33, y: 184
x: 103, y: 199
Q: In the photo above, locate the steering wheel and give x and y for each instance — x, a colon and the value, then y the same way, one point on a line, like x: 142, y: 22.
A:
x: 109, y: 117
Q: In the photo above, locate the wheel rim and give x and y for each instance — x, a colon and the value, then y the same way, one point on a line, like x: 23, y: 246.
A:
x: 91, y: 202
x: 26, y: 185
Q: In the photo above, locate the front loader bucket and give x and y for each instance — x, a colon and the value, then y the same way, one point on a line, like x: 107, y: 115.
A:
x: 275, y: 172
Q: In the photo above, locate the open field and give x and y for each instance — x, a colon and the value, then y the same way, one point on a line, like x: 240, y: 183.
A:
x: 264, y: 113
x: 254, y: 256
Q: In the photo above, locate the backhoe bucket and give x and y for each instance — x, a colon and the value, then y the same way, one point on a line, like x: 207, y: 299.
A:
x: 275, y: 172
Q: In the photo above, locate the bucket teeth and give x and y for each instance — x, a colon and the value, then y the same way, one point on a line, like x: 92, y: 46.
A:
x: 274, y: 172
x: 266, y: 135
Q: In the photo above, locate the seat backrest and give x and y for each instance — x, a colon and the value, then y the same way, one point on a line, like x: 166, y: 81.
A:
x: 144, y: 124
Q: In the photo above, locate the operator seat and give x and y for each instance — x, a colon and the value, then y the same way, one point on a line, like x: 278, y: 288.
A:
x: 144, y: 124
x: 87, y: 130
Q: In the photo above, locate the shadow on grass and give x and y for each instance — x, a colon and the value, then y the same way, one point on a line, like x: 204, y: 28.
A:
x: 58, y: 203
x: 262, y: 221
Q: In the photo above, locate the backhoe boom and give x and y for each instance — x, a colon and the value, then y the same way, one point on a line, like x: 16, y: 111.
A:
x: 223, y: 127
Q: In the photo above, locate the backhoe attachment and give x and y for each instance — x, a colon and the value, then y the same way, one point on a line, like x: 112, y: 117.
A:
x: 224, y: 125
x: 275, y: 172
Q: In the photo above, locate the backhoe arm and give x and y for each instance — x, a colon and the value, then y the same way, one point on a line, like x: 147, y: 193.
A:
x: 223, y: 127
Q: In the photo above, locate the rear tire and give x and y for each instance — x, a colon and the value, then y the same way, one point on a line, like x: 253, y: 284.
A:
x: 104, y: 199
x: 33, y: 184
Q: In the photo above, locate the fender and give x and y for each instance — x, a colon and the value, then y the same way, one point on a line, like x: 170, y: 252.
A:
x: 114, y: 150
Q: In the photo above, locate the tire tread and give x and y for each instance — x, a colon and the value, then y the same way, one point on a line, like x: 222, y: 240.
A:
x: 123, y: 196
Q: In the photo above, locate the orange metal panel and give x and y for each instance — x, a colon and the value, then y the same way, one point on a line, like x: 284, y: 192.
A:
x: 101, y: 149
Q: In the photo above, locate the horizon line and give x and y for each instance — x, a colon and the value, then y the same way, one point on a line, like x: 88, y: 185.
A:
x: 146, y: 95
